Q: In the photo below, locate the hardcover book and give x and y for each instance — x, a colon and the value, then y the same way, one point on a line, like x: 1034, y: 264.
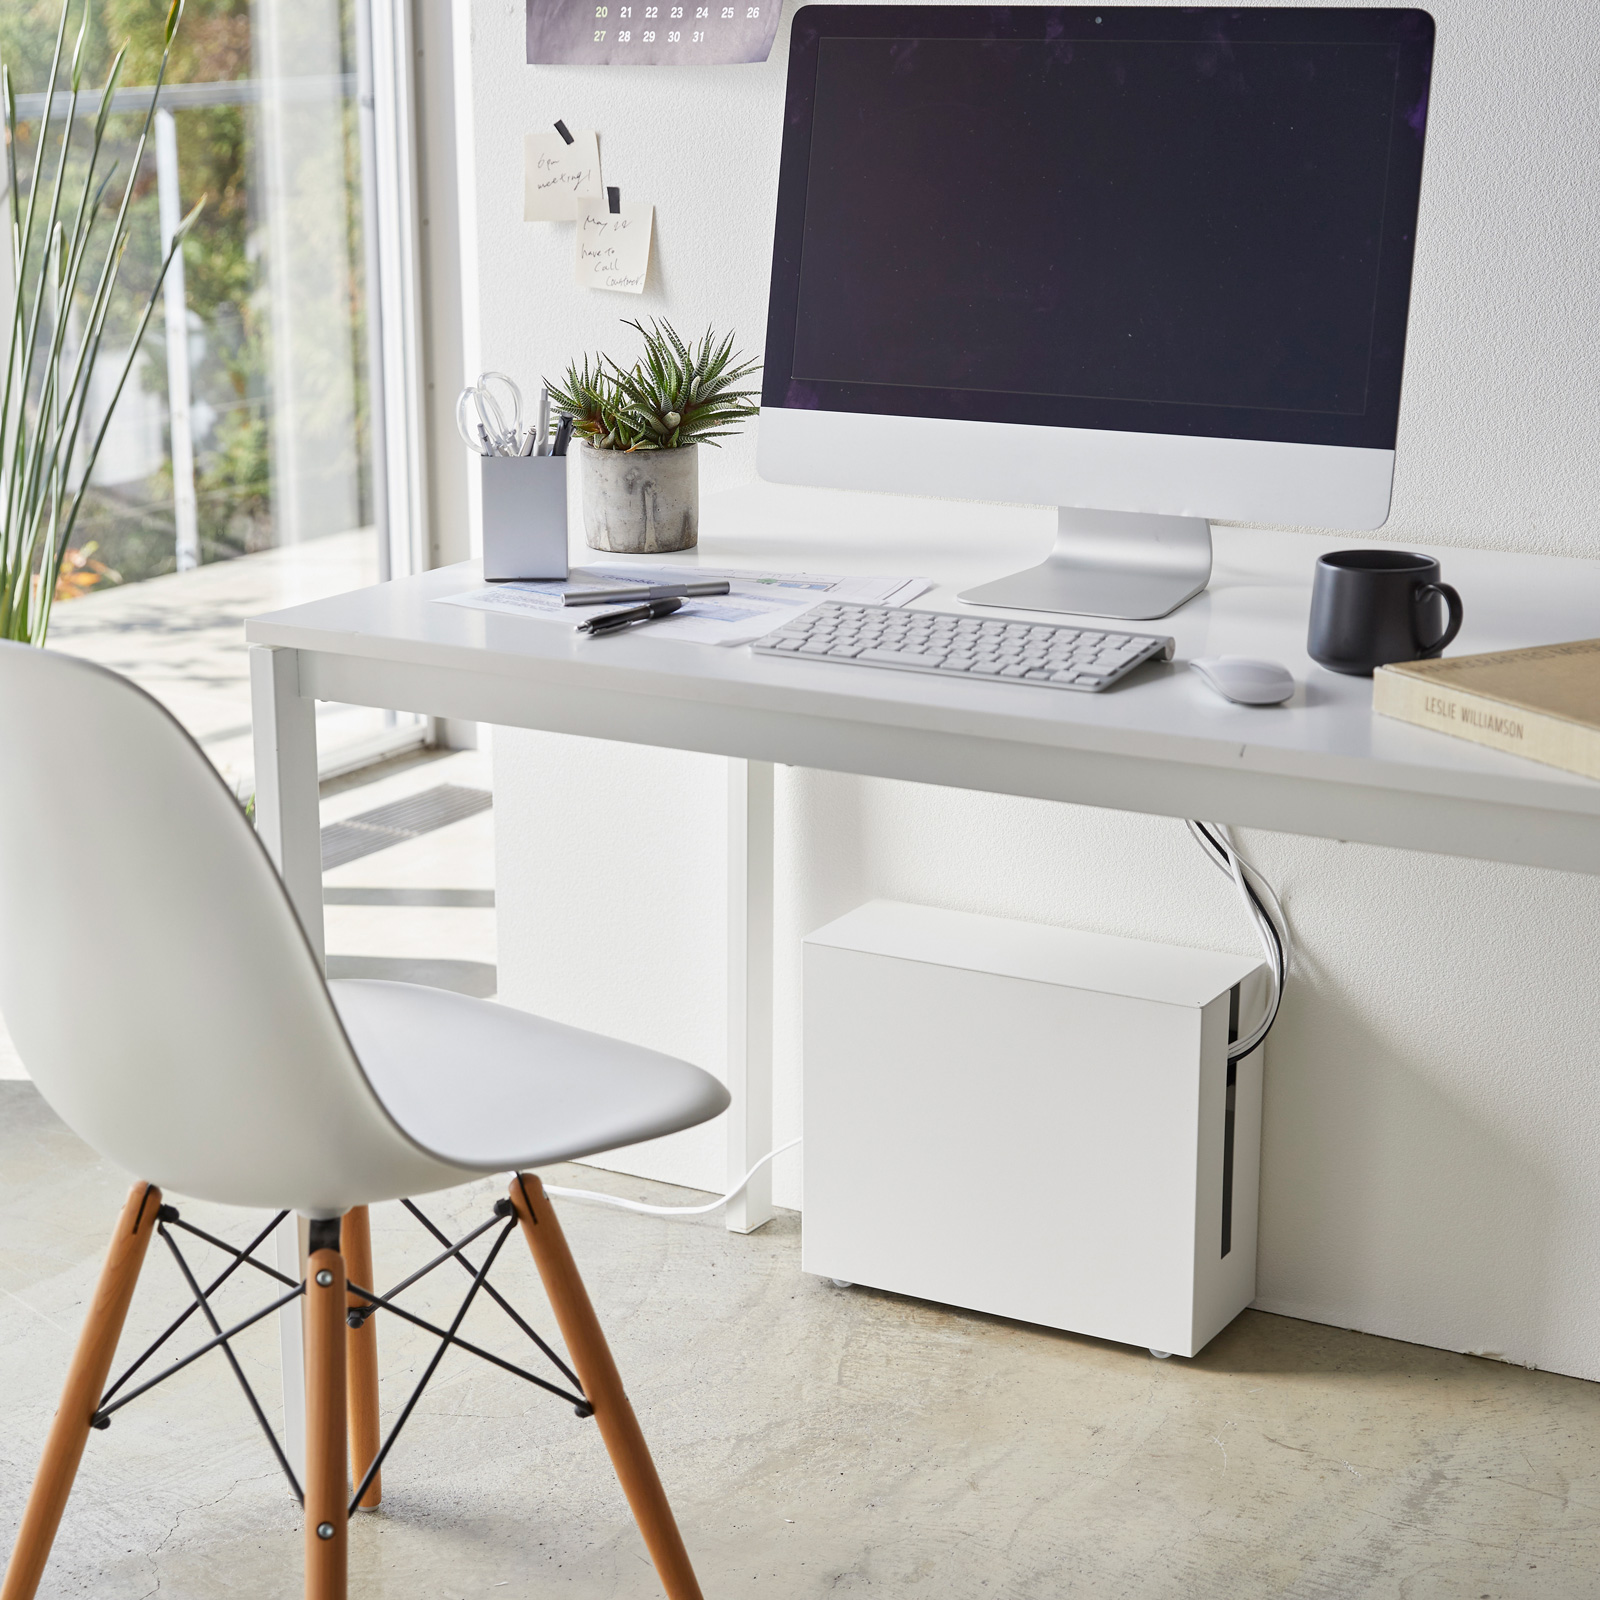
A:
x: 1542, y: 703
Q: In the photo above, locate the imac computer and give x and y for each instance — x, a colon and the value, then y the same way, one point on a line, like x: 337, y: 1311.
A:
x: 1148, y: 265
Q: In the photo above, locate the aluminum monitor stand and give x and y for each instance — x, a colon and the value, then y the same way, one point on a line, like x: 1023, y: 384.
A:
x: 1129, y: 564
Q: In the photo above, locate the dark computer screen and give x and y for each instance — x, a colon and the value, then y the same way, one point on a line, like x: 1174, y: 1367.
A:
x: 1152, y: 220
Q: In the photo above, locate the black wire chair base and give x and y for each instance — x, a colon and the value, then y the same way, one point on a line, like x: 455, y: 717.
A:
x: 168, y: 1218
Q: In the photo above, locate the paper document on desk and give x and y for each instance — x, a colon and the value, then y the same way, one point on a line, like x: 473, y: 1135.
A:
x: 756, y: 602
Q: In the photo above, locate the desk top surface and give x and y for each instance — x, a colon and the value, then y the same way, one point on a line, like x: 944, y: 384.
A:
x: 1257, y: 605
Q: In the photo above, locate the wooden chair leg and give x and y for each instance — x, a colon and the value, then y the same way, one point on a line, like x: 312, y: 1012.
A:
x: 602, y: 1386
x: 86, y: 1382
x: 327, y: 1474
x: 361, y: 1355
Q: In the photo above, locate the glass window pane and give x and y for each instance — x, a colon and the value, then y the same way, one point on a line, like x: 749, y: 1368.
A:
x: 238, y: 469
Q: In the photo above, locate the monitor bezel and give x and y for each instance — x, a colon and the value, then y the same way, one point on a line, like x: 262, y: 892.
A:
x: 1374, y: 429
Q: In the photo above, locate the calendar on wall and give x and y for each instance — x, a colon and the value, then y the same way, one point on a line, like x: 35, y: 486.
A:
x: 650, y: 33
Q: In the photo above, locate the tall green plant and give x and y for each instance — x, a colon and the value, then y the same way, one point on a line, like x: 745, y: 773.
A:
x: 46, y: 388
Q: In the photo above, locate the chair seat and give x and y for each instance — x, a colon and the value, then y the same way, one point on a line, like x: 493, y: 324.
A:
x: 488, y: 1088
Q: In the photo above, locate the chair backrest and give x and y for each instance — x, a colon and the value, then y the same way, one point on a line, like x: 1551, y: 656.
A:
x: 153, y: 974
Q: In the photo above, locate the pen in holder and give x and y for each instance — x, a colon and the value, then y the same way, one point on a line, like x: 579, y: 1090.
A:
x: 524, y: 517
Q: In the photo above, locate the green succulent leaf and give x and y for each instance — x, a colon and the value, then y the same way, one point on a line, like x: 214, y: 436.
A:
x: 675, y: 394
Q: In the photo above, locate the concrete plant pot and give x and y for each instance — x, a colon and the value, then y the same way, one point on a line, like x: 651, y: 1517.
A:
x: 640, y: 502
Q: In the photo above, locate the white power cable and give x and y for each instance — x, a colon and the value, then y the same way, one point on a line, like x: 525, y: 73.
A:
x: 669, y: 1211
x: 1271, y: 926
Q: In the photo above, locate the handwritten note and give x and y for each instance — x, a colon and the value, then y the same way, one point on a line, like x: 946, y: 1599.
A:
x: 614, y: 246
x: 557, y: 177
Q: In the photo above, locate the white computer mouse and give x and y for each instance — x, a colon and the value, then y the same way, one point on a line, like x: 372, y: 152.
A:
x: 1245, y: 681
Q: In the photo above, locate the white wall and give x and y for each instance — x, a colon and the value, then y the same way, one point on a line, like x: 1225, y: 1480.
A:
x: 1431, y: 1152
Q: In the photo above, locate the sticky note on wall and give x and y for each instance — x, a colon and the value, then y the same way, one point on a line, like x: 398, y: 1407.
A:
x: 614, y: 246
x: 557, y: 177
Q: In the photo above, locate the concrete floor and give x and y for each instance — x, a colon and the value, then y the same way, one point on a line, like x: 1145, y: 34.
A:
x: 421, y: 911
x: 814, y: 1441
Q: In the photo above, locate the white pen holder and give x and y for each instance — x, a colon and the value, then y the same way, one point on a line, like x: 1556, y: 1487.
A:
x: 524, y: 516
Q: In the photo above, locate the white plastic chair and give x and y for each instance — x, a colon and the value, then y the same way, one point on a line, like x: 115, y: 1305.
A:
x: 165, y: 1001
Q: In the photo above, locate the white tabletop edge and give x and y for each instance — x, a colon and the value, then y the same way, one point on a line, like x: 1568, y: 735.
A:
x: 1327, y: 733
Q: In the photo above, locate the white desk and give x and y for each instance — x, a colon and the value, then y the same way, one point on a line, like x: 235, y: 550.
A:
x: 1162, y: 742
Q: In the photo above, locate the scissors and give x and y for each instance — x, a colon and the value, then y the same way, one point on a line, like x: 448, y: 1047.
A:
x: 481, y: 421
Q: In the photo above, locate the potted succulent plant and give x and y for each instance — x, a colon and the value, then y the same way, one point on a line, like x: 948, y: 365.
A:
x: 640, y: 429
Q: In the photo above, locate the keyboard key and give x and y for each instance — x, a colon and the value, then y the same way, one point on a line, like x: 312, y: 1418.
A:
x: 903, y: 658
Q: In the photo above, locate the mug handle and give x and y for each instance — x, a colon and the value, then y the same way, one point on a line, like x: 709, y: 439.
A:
x: 1453, y: 614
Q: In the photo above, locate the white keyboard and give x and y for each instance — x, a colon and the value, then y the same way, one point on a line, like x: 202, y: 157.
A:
x: 1055, y: 654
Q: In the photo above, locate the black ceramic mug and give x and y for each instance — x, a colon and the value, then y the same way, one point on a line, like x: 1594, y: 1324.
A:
x: 1371, y: 607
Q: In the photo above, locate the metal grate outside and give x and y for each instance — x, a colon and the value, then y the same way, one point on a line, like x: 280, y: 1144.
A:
x: 403, y: 819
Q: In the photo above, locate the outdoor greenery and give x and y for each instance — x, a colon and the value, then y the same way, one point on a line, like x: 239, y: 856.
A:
x: 230, y: 380
x: 674, y: 395
x: 53, y: 235
x: 226, y: 269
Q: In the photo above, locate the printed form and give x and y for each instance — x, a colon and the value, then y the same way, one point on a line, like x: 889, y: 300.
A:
x: 755, y: 605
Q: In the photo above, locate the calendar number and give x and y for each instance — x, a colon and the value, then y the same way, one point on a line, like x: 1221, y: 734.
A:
x: 645, y: 32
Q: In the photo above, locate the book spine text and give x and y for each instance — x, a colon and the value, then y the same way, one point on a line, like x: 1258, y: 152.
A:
x: 1534, y: 734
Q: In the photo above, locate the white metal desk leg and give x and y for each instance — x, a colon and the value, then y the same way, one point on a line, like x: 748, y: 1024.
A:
x: 749, y: 988
x: 287, y: 820
x: 289, y: 826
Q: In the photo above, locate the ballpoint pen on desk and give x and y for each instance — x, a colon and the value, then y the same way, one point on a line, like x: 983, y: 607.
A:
x: 643, y: 592
x: 619, y: 621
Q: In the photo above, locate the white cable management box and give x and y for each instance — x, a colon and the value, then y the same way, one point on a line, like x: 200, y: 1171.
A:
x: 1031, y: 1121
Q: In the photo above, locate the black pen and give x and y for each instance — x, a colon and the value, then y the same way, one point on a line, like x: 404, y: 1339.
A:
x: 617, y: 621
x: 563, y: 436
